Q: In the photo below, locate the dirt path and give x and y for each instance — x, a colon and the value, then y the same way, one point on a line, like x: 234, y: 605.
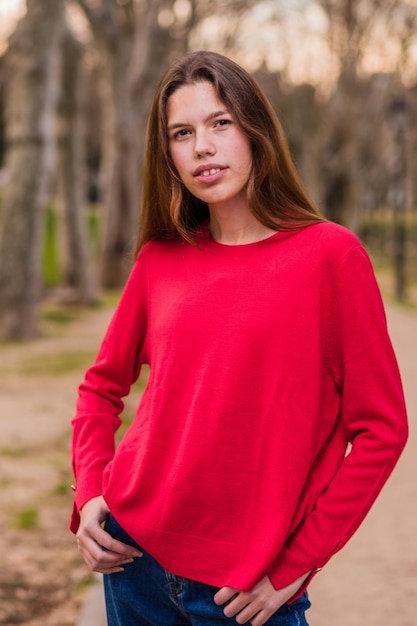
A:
x: 42, y: 578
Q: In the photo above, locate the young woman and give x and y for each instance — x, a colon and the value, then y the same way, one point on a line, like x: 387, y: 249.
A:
x: 274, y: 411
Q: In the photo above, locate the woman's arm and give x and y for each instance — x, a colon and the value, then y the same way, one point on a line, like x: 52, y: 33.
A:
x: 106, y: 383
x: 373, y: 416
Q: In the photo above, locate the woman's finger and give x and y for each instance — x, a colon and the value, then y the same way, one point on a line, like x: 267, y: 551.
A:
x: 225, y: 594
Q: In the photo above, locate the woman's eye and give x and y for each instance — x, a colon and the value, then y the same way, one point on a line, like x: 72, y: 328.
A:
x: 223, y: 122
x: 181, y: 133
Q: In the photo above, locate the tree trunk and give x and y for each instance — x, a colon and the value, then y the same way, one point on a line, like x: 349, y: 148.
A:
x: 133, y: 70
x: 33, y: 64
x: 80, y: 274
x: 133, y: 51
x: 119, y: 175
x: 398, y: 191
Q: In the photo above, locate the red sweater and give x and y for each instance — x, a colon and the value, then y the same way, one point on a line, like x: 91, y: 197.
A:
x: 266, y: 361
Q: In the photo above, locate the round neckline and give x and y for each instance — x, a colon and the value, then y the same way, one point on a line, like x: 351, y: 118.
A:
x: 235, y: 247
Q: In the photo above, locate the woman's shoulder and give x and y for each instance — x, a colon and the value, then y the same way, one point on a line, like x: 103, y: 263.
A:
x: 157, y: 247
x: 333, y: 239
x: 340, y: 253
x: 331, y: 232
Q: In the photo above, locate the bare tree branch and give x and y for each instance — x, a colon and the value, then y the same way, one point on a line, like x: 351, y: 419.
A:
x: 104, y: 20
x: 89, y: 14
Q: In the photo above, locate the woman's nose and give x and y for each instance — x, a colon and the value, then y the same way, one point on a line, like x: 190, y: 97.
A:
x: 203, y: 144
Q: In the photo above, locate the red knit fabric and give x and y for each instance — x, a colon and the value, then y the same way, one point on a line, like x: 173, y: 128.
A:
x: 266, y: 360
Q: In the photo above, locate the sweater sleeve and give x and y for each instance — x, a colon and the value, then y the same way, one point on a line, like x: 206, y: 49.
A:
x: 100, y: 402
x: 365, y: 371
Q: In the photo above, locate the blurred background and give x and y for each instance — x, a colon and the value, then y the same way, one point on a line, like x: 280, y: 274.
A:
x: 76, y: 81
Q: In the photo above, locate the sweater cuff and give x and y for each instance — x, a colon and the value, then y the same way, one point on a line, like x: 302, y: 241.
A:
x: 304, y: 586
x: 291, y: 564
x: 74, y: 520
x: 81, y: 497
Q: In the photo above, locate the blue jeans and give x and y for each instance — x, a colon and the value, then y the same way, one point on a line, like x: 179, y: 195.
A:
x: 145, y: 594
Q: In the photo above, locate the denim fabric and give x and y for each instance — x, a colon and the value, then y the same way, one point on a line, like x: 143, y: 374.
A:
x: 147, y: 595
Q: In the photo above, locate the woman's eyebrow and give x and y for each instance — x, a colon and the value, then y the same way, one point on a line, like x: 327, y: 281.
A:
x: 218, y: 113
x: 209, y: 117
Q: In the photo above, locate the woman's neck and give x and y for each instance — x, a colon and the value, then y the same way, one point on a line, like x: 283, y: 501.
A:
x: 237, y: 229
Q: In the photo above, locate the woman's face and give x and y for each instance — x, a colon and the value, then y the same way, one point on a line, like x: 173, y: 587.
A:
x: 210, y: 151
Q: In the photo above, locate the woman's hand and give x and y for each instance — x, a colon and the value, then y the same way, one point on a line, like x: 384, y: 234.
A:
x: 256, y: 606
x: 101, y: 552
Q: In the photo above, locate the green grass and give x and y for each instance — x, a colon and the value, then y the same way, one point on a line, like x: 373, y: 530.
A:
x: 110, y: 297
x: 51, y: 270
x: 60, y: 314
x: 94, y: 230
x: 13, y: 452
x: 58, y: 363
x: 61, y: 489
x: 27, y: 519
x: 85, y: 582
x: 14, y: 584
x: 377, y: 232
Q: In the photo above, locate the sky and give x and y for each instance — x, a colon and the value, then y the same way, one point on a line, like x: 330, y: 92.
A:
x: 300, y: 47
x: 253, y: 47
x: 10, y: 10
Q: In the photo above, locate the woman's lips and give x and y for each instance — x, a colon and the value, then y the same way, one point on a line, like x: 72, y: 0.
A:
x: 206, y: 167
x: 209, y: 172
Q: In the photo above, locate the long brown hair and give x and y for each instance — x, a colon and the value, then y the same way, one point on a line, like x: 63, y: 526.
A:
x: 275, y: 192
